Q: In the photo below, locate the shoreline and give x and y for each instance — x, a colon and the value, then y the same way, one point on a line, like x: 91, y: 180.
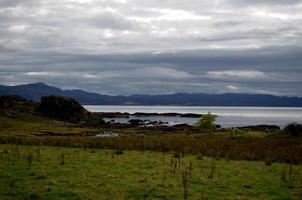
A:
x: 143, y: 114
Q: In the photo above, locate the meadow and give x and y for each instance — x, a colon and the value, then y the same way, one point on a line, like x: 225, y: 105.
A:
x: 48, y: 159
x: 40, y: 172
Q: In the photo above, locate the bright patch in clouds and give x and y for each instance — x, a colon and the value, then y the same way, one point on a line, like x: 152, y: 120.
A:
x: 18, y: 28
x: 238, y: 74
x: 170, y: 15
x: 232, y: 87
x: 273, y: 15
x: 162, y: 73
x: 37, y: 73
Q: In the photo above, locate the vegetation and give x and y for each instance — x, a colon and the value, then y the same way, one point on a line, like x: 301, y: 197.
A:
x: 97, y: 174
x: 62, y: 108
x: 269, y: 149
x: 142, y: 163
x: 293, y: 130
x: 32, y: 125
x: 207, y: 122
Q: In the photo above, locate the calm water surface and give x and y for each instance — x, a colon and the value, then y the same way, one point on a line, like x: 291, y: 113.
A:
x: 228, y: 116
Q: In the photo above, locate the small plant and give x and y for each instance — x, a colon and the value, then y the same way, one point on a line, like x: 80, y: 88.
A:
x: 29, y: 159
x: 177, y: 157
x: 62, y: 157
x: 38, y: 154
x: 268, y: 162
x: 175, y: 161
x: 34, y: 196
x: 16, y: 151
x: 212, y: 170
x: 118, y: 152
x: 171, y: 164
x: 164, y: 178
x: 235, y: 133
x: 289, y: 176
x: 185, y: 184
x: 12, y: 183
x: 199, y: 156
x: 190, y: 168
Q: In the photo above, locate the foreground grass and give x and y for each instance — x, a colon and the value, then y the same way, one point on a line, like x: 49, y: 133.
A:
x: 39, y: 172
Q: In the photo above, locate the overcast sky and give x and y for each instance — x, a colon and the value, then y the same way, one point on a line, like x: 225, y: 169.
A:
x: 153, y: 46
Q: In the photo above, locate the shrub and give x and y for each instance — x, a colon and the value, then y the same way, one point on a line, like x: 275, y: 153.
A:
x: 235, y: 132
x: 118, y: 152
x: 293, y: 130
x: 207, y: 122
x: 289, y: 176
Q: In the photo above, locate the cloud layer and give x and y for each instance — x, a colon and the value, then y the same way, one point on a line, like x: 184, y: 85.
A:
x: 153, y: 47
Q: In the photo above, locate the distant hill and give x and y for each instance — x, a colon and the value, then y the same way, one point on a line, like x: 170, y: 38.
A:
x: 36, y: 90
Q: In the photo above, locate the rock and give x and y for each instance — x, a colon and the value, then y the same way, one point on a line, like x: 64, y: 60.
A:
x: 191, y: 115
x: 135, y: 122
x: 62, y: 108
x: 140, y: 114
x: 95, y: 119
x: 107, y: 134
x: 184, y: 127
x: 264, y: 128
x: 114, y: 115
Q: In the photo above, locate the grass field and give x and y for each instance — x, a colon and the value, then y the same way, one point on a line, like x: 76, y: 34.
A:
x: 29, y: 124
x: 143, y: 164
x: 39, y: 172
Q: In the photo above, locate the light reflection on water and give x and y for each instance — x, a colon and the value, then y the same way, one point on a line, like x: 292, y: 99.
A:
x: 228, y: 116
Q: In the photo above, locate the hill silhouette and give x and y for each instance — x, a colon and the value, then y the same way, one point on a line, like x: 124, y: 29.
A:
x: 35, y: 91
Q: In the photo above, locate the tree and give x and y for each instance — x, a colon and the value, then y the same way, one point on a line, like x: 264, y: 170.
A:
x: 207, y: 122
x: 293, y: 130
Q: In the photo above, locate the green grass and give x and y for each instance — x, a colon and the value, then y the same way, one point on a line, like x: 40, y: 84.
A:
x: 27, y: 125
x: 100, y: 174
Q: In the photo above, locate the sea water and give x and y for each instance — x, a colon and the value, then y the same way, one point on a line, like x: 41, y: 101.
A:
x: 227, y: 116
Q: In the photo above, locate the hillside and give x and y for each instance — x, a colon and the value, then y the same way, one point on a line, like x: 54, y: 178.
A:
x: 36, y: 90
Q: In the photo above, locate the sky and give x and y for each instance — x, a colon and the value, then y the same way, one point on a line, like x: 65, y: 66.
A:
x: 124, y: 47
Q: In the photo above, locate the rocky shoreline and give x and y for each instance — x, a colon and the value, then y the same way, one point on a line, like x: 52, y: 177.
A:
x: 140, y: 114
x: 70, y: 111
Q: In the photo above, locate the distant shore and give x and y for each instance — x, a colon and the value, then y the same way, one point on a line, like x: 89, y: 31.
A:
x: 141, y: 114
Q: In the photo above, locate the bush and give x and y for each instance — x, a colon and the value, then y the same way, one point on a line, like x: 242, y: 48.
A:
x: 207, y: 122
x: 293, y: 130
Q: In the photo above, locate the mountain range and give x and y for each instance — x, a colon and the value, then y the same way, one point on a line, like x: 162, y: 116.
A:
x: 35, y: 91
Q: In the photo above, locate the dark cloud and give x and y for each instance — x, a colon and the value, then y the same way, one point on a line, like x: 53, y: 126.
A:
x: 13, y: 3
x: 124, y: 47
x: 110, y: 20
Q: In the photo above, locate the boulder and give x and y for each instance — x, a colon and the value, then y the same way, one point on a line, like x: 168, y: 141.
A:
x: 263, y: 128
x: 184, y: 127
x: 94, y: 119
x: 135, y: 122
x: 191, y: 115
